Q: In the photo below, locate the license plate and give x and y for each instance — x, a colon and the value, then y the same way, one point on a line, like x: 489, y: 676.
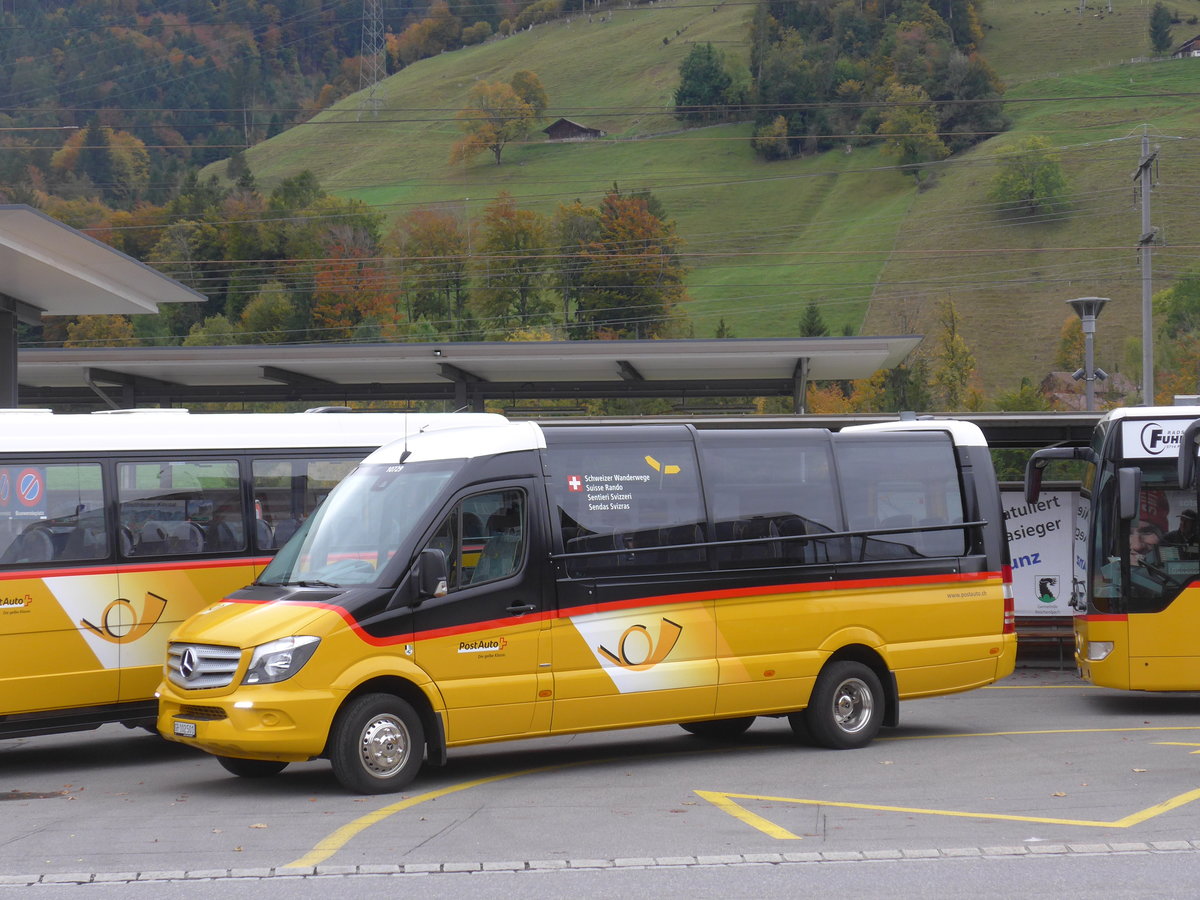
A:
x: 185, y: 729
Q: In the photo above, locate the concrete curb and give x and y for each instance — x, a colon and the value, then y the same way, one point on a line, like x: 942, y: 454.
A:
x: 559, y: 865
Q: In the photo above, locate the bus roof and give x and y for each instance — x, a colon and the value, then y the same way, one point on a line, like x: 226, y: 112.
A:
x: 40, y: 431
x: 461, y: 442
x: 1151, y: 412
x: 964, y: 434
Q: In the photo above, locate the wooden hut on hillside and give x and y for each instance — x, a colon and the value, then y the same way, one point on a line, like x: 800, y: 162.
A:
x: 566, y: 130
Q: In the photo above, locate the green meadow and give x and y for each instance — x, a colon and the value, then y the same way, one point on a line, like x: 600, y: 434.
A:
x: 879, y: 251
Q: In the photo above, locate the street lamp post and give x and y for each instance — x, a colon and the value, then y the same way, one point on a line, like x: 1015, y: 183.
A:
x: 1088, y: 309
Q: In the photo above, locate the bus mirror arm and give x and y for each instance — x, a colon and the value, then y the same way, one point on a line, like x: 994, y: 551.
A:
x: 1040, y: 459
x: 1187, y: 455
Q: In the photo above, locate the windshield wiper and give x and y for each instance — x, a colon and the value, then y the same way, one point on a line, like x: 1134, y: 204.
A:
x: 301, y: 583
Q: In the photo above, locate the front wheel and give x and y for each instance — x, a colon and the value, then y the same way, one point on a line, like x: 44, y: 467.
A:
x: 846, y: 707
x: 719, y: 729
x: 251, y: 768
x: 377, y: 744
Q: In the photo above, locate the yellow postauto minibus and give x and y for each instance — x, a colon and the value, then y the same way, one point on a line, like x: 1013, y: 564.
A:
x: 485, y: 584
x: 117, y: 526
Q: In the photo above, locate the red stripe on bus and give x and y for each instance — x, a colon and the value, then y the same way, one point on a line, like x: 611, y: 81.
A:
x: 616, y: 605
x: 1106, y: 617
x: 110, y: 569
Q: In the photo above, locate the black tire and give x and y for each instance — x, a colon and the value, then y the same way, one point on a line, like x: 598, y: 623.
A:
x: 846, y: 707
x: 377, y: 744
x: 719, y: 729
x: 251, y: 768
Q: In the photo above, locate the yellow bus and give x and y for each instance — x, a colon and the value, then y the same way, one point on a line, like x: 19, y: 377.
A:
x: 1137, y: 564
x: 476, y: 585
x: 117, y: 526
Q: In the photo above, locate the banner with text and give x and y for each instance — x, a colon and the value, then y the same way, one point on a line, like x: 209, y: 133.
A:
x: 1041, y: 540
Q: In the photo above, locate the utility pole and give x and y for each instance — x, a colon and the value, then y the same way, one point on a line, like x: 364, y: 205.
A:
x: 372, y: 69
x: 1145, y: 243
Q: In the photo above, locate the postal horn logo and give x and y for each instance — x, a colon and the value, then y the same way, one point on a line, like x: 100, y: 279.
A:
x: 656, y: 651
x: 120, y: 622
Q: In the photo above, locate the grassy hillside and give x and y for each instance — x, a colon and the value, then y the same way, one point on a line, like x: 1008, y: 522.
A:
x: 843, y: 228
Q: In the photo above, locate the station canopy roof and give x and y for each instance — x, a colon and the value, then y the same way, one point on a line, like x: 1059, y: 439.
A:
x: 53, y: 269
x: 463, y: 374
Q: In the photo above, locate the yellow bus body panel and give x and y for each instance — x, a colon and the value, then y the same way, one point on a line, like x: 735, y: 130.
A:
x: 1156, y: 651
x: 689, y: 660
x: 82, y: 637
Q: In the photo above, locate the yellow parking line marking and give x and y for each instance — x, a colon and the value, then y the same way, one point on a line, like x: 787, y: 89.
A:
x: 726, y: 803
x: 1178, y: 744
x: 342, y: 836
x: 336, y: 841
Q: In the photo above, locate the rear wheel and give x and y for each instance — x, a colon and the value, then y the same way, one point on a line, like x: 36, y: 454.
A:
x: 719, y: 729
x: 251, y: 768
x: 846, y: 707
x: 377, y: 744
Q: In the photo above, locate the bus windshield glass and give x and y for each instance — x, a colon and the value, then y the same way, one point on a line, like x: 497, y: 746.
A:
x: 366, y: 520
x: 1145, y: 562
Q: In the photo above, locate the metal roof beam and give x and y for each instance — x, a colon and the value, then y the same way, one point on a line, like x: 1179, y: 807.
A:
x: 294, y: 379
x: 138, y: 382
x: 628, y: 371
x: 462, y: 376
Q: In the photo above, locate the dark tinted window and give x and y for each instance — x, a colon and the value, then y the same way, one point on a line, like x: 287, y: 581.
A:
x: 891, y: 484
x: 632, y: 506
x: 772, y: 493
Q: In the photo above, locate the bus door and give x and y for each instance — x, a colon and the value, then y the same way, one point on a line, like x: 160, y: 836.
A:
x: 182, y: 537
x: 55, y: 589
x: 483, y: 643
x: 635, y: 640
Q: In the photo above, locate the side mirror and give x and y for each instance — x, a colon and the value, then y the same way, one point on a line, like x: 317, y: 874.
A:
x: 1129, y: 492
x: 433, y: 575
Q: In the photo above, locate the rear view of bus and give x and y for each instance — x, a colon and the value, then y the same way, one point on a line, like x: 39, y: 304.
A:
x: 1137, y: 559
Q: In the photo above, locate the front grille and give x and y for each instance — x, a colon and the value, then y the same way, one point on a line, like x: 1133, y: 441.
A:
x: 201, y: 713
x: 195, y: 667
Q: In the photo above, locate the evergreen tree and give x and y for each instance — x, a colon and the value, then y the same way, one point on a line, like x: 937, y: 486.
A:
x: 703, y: 83
x: 95, y: 157
x: 1160, y: 28
x: 812, y: 323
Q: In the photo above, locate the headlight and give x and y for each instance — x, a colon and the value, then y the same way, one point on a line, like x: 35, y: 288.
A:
x: 279, y: 660
x: 1098, y: 650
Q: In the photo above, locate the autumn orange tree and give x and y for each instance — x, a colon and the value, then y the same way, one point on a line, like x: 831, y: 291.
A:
x: 632, y: 279
x: 496, y: 114
x: 430, y: 254
x: 511, y: 271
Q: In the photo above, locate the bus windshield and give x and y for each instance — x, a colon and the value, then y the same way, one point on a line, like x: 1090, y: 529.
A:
x: 365, y: 522
x: 1145, y: 562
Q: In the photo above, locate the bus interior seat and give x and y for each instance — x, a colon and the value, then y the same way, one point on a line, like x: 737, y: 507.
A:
x: 31, y: 546
x: 85, y: 542
x: 223, y: 536
x: 472, y: 527
x: 498, y: 558
x: 283, y: 530
x: 163, y: 537
x: 264, y: 536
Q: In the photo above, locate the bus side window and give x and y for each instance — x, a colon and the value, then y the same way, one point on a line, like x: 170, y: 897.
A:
x: 180, y: 507
x: 483, y: 537
x: 286, y: 491
x: 60, y: 517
